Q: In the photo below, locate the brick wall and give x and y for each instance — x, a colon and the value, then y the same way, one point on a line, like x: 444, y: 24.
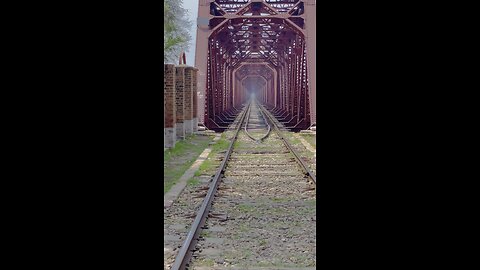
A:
x: 169, y: 96
x: 179, y: 94
x: 180, y: 102
x: 169, y: 132
x: 180, y: 99
x: 194, y: 91
x: 188, y: 102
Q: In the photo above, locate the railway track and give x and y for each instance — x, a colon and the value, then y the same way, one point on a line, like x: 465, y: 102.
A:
x: 259, y: 210
x: 257, y: 121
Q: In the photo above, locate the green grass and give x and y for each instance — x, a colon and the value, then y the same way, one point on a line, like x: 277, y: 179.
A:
x: 298, y: 145
x: 300, y: 261
x: 181, y: 147
x: 243, y: 228
x: 274, y: 263
x: 210, y: 164
x: 245, y: 207
x: 245, y: 253
x: 311, y: 139
x: 173, y: 176
x: 193, y: 181
x: 311, y: 202
x: 178, y: 159
x: 207, y: 262
x: 204, y: 234
x: 281, y: 199
x: 291, y: 139
x: 205, y: 166
x: 221, y: 145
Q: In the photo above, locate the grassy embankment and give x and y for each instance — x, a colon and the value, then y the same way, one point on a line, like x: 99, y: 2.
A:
x: 178, y: 159
x: 215, y: 157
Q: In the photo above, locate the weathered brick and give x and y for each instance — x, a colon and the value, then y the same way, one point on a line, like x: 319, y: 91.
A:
x: 195, y: 100
x: 169, y: 105
x: 180, y: 100
x: 188, y: 101
x: 194, y: 91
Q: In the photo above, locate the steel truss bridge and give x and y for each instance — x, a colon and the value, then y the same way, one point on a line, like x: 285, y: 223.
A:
x: 265, y: 48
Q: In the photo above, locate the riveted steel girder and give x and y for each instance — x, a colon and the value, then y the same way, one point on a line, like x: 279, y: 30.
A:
x: 270, y: 40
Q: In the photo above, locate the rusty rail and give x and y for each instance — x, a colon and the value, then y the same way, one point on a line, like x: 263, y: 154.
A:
x: 290, y: 148
x: 266, y: 122
x: 185, y: 253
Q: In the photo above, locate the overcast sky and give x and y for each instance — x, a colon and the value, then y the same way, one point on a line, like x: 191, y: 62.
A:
x: 192, y: 7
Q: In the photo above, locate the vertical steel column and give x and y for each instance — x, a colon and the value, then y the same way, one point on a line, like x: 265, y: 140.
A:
x: 201, y: 56
x: 296, y: 89
x: 283, y: 85
x: 291, y: 83
x: 311, y: 38
x: 225, y: 88
x: 209, y: 112
x: 230, y: 86
x: 299, y: 79
x: 305, y: 87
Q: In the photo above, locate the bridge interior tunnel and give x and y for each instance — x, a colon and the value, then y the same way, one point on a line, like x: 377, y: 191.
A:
x: 257, y: 47
x: 256, y: 81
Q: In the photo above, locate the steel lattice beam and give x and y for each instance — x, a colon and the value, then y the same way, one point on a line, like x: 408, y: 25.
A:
x: 268, y: 39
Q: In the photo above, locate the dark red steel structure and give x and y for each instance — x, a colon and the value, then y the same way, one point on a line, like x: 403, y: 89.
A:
x: 264, y: 48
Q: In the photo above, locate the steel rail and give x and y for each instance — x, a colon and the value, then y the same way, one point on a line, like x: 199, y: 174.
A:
x: 185, y: 253
x: 266, y: 122
x: 290, y: 148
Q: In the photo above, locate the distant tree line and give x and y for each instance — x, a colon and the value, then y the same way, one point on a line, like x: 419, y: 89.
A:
x: 176, y: 30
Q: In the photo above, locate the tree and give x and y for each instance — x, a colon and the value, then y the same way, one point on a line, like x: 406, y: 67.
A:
x: 176, y: 30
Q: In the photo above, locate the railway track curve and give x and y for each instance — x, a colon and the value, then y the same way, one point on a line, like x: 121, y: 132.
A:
x: 259, y: 209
